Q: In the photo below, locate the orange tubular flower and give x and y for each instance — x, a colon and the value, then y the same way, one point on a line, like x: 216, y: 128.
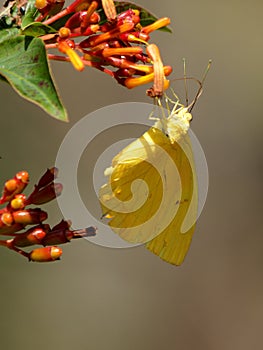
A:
x: 111, y: 34
x: 72, y: 55
x: 109, y: 9
x: 121, y: 51
x: 160, y: 23
x: 86, y: 19
x: 154, y: 54
x: 131, y: 83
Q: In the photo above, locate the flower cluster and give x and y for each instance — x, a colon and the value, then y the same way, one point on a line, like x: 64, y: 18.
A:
x: 118, y: 45
x: 15, y: 217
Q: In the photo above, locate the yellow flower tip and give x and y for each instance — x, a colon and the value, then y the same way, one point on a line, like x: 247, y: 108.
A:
x: 166, y: 84
x: 72, y: 55
x: 23, y: 176
x: 136, y: 12
x: 160, y: 23
x: 167, y: 70
x: 11, y: 185
x: 40, y: 4
x: 64, y: 32
x: 143, y: 38
x: 18, y: 203
x: 7, y: 219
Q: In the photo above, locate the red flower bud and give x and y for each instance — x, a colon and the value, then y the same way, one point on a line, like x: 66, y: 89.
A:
x: 45, y: 254
x: 46, y: 194
x: 94, y: 18
x: 130, y: 15
x: 49, y: 176
x: 73, y: 21
x: 14, y: 186
x: 61, y: 236
x: 32, y: 236
x: 29, y: 216
x: 62, y: 225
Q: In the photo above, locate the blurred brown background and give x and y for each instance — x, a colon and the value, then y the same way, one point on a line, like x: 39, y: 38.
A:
x: 99, y: 298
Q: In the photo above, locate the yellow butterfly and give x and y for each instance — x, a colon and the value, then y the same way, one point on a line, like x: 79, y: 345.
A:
x: 151, y: 194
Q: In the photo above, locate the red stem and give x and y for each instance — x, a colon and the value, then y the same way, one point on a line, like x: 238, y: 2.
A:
x: 71, y: 8
x: 9, y: 244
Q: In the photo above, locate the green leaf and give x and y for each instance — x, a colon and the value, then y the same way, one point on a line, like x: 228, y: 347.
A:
x: 6, y: 34
x: 23, y: 63
x: 30, y: 14
x: 37, y: 29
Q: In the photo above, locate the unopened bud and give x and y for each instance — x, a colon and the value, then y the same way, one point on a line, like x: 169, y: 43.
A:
x: 7, y: 219
x: 29, y: 216
x: 64, y: 32
x: 40, y: 4
x: 45, y: 254
x: 46, y: 194
x: 49, y: 176
x: 18, y: 202
x: 14, y: 186
x: 35, y: 235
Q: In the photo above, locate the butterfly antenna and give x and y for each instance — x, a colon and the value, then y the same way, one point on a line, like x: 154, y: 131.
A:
x: 200, y: 90
x: 185, y: 83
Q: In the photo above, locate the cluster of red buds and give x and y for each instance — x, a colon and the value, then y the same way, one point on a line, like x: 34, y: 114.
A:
x: 15, y: 217
x: 120, y: 42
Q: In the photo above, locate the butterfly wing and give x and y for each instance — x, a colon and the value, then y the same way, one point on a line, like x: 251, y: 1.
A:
x: 173, y: 243
x: 150, y: 196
